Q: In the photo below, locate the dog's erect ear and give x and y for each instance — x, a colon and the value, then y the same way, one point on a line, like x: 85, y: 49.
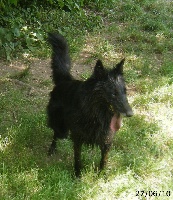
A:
x: 119, y: 67
x: 99, y: 64
x: 99, y: 70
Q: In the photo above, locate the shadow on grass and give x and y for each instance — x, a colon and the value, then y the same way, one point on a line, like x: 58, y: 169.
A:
x: 27, y: 171
x: 133, y: 147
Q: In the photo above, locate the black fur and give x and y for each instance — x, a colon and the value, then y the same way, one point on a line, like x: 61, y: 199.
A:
x: 89, y: 109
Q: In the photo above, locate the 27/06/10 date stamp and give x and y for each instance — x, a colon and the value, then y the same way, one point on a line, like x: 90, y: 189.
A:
x: 153, y: 193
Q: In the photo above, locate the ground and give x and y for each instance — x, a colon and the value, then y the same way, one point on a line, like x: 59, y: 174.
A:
x: 39, y: 71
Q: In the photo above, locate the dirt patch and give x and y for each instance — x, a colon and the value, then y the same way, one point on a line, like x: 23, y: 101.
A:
x: 79, y: 69
x: 40, y: 69
x: 10, y: 69
x: 38, y: 78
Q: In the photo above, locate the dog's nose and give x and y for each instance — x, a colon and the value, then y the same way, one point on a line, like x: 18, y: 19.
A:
x: 129, y: 113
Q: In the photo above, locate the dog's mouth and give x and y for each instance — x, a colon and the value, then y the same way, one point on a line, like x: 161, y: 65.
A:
x: 115, y: 124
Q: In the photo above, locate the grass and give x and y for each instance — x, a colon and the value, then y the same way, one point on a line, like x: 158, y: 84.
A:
x: 142, y: 154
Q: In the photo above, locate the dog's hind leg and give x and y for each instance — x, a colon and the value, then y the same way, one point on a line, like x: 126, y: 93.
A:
x: 77, y: 158
x: 60, y: 133
x: 52, y: 148
x: 57, y: 123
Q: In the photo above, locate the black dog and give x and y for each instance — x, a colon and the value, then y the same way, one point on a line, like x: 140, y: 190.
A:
x: 91, y: 110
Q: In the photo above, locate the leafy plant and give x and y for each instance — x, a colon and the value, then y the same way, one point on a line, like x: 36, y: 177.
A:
x: 24, y: 30
x: 15, y: 40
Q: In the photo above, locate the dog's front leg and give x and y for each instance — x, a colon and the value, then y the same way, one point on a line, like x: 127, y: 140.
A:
x: 104, y: 155
x: 77, y: 158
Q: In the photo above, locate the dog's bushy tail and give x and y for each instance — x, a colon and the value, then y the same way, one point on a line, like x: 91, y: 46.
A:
x: 60, y: 58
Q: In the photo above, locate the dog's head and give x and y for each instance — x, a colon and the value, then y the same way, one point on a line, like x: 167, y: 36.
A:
x: 111, y: 85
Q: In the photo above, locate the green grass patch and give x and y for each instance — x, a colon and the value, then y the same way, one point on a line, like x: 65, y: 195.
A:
x: 141, y: 155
